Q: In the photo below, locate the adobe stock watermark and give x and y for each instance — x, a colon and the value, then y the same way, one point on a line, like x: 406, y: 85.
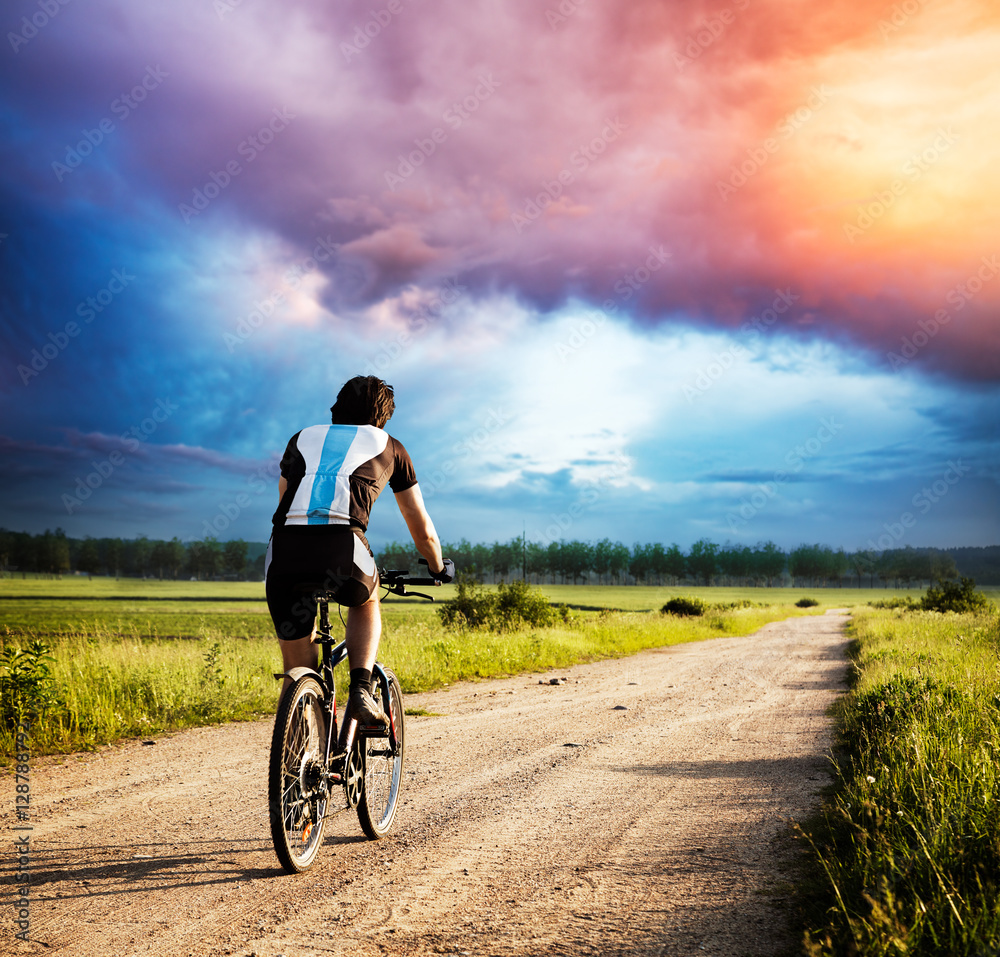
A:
x: 22, y: 845
x: 923, y: 501
x: 472, y: 444
x: 766, y: 492
x: 590, y: 494
x: 757, y: 156
x: 454, y: 117
x: 87, y: 310
x: 722, y: 362
x: 324, y: 250
x: 258, y: 482
x: 249, y: 149
x: 580, y: 161
x: 559, y: 15
x: 366, y: 32
x: 707, y: 33
x: 419, y: 321
x: 913, y: 169
x: 104, y: 468
x: 899, y: 16
x: 625, y: 288
x: 958, y: 296
x: 122, y: 106
x: 47, y: 10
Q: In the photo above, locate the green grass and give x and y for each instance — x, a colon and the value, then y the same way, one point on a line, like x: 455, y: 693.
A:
x: 194, y: 609
x: 910, y: 842
x: 80, y: 586
x: 108, y: 687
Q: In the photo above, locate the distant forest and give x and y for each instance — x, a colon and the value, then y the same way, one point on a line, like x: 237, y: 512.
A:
x: 602, y: 562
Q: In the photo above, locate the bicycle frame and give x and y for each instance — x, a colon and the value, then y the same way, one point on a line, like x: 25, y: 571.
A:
x: 333, y: 654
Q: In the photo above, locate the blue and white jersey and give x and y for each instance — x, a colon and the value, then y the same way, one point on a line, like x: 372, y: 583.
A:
x: 335, y: 473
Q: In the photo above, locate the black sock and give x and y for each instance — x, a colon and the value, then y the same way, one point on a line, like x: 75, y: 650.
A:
x: 361, y: 677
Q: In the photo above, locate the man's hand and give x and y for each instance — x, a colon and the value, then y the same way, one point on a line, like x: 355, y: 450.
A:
x: 447, y: 574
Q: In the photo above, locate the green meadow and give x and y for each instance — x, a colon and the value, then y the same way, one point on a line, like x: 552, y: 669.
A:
x: 78, y: 605
x: 909, y: 841
x: 126, y: 658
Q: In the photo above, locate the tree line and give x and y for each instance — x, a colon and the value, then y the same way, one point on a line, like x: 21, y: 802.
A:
x: 705, y: 563
x: 562, y: 562
x: 55, y: 554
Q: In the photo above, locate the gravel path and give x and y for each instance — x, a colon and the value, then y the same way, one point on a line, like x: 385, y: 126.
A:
x: 640, y: 808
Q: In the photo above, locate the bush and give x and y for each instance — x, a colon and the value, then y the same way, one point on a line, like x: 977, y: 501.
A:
x: 736, y: 605
x: 508, y: 608
x: 907, y: 602
x: 26, y: 686
x: 959, y: 596
x: 683, y: 605
x: 806, y: 603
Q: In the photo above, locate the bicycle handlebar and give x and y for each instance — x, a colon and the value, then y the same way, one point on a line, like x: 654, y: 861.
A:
x: 400, y: 576
x: 396, y: 580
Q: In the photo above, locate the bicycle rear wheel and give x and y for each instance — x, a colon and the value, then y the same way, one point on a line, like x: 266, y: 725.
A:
x: 297, y: 794
x: 383, y: 766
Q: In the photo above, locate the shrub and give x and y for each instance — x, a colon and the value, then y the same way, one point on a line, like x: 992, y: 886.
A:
x: 959, y: 596
x: 806, y: 603
x: 736, y: 605
x: 907, y: 602
x: 519, y: 603
x: 26, y: 686
x: 683, y: 605
x: 506, y: 609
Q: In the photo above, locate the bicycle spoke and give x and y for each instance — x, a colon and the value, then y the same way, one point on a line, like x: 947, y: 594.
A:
x: 297, y: 794
x: 383, y: 766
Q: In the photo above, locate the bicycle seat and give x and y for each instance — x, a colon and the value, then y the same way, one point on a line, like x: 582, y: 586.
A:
x: 319, y: 591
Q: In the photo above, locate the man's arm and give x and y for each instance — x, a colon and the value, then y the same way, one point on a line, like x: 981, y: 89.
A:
x: 282, y: 486
x: 411, y: 505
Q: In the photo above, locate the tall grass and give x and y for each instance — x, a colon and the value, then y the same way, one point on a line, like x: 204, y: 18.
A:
x: 107, y: 687
x: 112, y: 685
x: 910, y: 844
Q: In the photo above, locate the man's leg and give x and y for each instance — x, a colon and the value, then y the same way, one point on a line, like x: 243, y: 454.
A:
x: 364, y: 628
x: 300, y: 653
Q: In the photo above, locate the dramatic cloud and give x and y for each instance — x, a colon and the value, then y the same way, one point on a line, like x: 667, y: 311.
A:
x: 840, y: 152
x: 227, y: 207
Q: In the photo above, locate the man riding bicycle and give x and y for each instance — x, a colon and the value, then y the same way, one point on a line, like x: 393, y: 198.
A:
x: 331, y: 476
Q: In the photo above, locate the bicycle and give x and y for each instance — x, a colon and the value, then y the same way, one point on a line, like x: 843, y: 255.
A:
x: 309, y: 758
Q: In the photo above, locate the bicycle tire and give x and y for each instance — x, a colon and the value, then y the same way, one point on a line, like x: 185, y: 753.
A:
x: 383, y: 767
x: 297, y: 796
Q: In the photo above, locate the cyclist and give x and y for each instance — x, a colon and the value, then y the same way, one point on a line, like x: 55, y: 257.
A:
x: 331, y: 476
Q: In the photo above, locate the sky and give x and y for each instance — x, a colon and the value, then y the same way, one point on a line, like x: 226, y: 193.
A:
x: 652, y: 271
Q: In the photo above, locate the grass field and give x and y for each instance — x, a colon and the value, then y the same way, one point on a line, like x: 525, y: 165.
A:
x: 152, y: 608
x: 133, y: 658
x: 910, y: 842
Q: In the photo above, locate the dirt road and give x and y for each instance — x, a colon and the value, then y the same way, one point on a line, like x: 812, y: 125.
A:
x: 638, y: 809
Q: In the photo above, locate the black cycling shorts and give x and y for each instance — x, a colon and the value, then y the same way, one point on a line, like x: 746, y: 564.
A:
x: 304, y: 558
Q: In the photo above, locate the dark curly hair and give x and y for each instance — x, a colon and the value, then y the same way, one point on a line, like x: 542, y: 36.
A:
x: 363, y: 400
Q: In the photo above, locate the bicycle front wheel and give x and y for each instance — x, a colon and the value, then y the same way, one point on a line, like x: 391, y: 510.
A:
x: 383, y: 765
x: 296, y: 791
